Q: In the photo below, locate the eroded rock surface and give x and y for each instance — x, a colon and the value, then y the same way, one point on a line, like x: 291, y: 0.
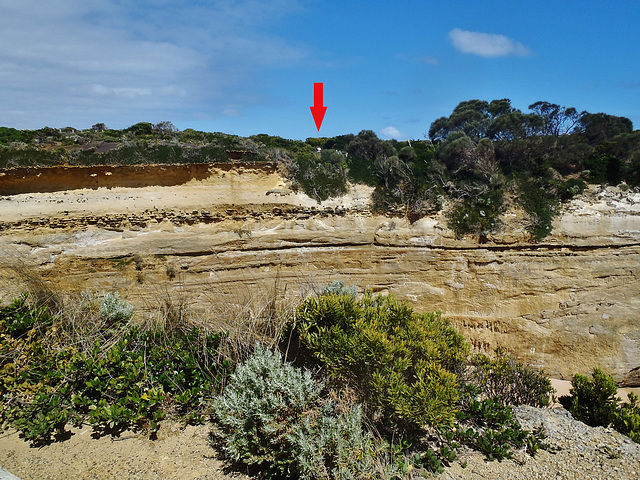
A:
x: 566, y: 304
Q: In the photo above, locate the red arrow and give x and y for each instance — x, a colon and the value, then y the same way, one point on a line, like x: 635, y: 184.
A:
x: 318, y: 110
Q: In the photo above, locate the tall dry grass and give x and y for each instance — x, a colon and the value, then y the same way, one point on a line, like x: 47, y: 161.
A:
x: 256, y: 312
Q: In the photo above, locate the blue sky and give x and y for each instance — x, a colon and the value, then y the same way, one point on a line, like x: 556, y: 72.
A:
x: 247, y: 66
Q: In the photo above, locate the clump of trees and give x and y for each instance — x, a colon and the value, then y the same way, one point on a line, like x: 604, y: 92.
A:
x: 544, y: 157
x: 483, y: 155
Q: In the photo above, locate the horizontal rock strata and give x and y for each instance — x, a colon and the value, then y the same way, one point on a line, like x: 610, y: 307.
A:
x: 566, y: 304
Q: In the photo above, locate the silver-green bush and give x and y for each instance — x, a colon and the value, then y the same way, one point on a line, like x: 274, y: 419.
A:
x: 272, y: 415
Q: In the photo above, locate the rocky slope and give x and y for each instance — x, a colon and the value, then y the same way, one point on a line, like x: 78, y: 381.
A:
x: 566, y: 304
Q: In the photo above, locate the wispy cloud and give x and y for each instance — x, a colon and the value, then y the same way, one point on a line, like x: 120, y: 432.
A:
x: 74, y: 61
x: 429, y: 60
x: 488, y: 45
x: 392, y: 133
x: 232, y: 112
x: 419, y: 59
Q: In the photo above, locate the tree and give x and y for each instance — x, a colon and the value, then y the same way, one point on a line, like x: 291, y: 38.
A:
x: 515, y: 125
x: 600, y: 127
x: 98, y: 127
x: 462, y: 153
x: 165, y: 128
x: 8, y: 134
x: 496, y: 120
x: 141, y: 128
x: 557, y: 120
x: 471, y: 117
x: 367, y: 146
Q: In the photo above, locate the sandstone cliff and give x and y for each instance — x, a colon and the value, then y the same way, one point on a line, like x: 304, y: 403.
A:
x: 566, y: 304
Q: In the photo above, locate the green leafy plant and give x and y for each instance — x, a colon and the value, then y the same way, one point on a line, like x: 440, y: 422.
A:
x: 477, y: 215
x: 627, y: 419
x: 594, y: 402
x: 399, y: 362
x: 21, y: 317
x: 490, y: 427
x: 49, y: 379
x: 322, y: 175
x: 538, y: 200
x: 510, y: 381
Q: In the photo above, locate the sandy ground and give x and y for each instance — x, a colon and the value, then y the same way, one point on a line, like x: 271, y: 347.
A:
x: 178, y: 453
x: 563, y: 386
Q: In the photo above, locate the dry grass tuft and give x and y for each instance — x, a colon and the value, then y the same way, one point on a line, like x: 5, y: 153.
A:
x: 28, y: 279
x: 254, y: 316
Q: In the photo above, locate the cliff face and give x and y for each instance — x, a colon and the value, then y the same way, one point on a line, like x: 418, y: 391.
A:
x: 566, y: 304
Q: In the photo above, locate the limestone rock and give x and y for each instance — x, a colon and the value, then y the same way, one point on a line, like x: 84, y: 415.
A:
x: 566, y: 304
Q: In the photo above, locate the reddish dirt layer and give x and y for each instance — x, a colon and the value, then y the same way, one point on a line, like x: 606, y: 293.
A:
x: 19, y: 180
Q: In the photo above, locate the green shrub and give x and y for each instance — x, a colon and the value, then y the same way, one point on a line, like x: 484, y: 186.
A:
x: 594, y: 402
x: 361, y: 171
x: 8, y: 135
x: 570, y: 188
x: 322, y: 175
x: 50, y: 376
x: 491, y: 428
x: 605, y: 168
x: 399, y: 362
x: 21, y: 317
x: 627, y: 420
x: 510, y: 381
x: 541, y: 204
x: 271, y: 415
x: 477, y: 216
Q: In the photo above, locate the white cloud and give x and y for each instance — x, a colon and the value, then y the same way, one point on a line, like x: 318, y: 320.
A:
x: 392, y: 133
x: 488, y: 45
x: 79, y: 63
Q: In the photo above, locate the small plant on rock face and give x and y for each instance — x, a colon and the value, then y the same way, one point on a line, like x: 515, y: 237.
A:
x: 339, y: 287
x: 113, y: 309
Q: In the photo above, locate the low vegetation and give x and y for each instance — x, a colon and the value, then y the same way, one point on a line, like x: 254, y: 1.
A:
x: 340, y: 386
x: 98, y: 368
x: 482, y: 157
x: 594, y: 402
